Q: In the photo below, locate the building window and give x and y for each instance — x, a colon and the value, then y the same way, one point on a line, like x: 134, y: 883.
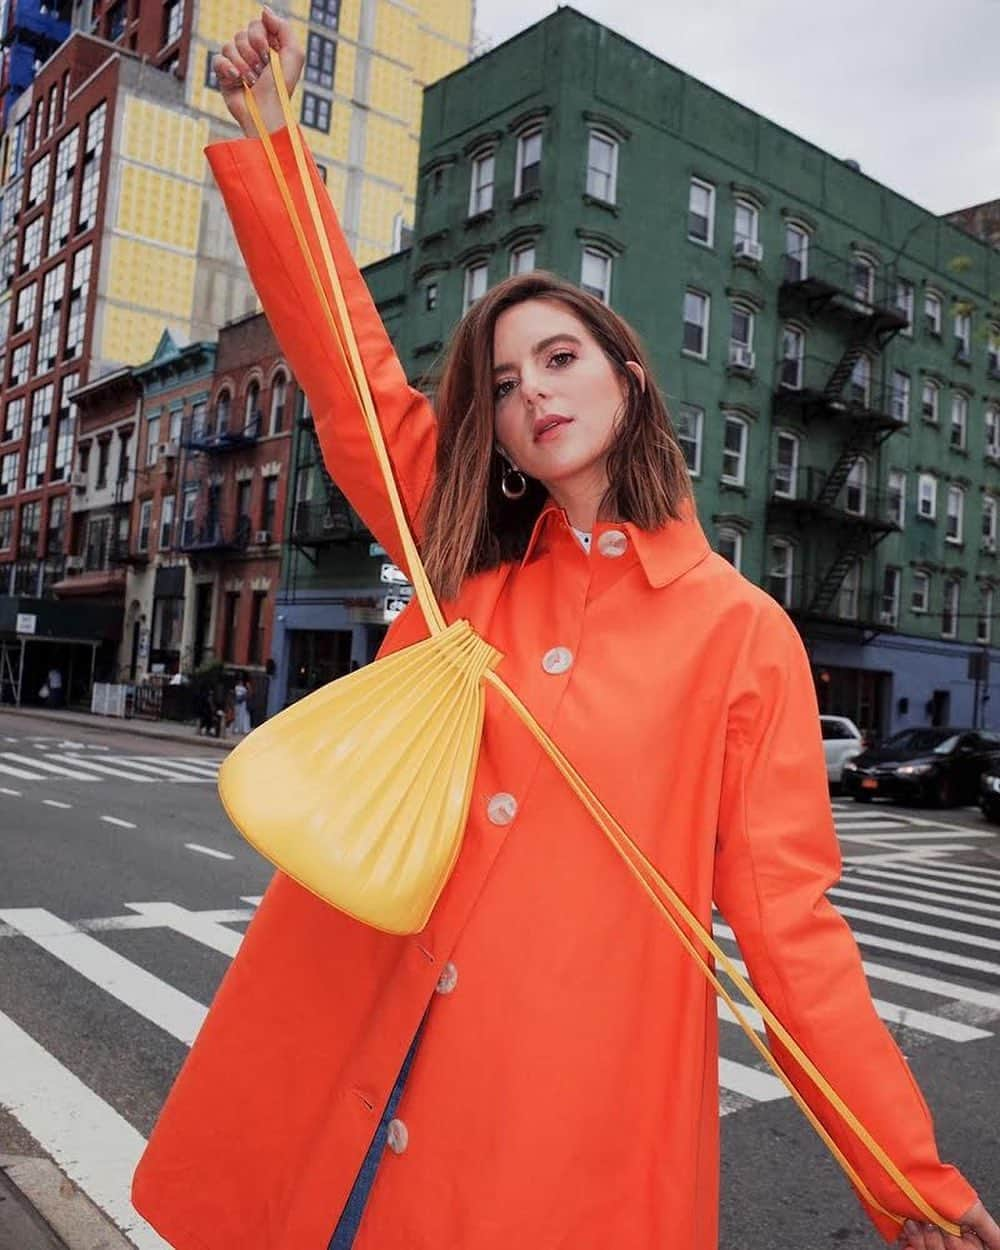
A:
x: 481, y: 183
x: 602, y: 167
x: 955, y: 513
x: 222, y: 406
x: 31, y: 528
x: 993, y: 352
x: 856, y: 488
x: 932, y: 313
x: 6, y: 528
x: 103, y: 456
x: 431, y: 296
x: 152, y: 439
x: 959, y: 421
x: 279, y: 389
x: 528, y: 169
x: 269, y: 504
x: 984, y: 623
x: 734, y: 450
x: 929, y: 400
x: 211, y: 80
x: 20, y: 359
x: 786, y: 466
x: 889, y: 611
x: 255, y: 650
x: 27, y: 301
x: 595, y: 273
x: 701, y: 212
x: 796, y: 252
x: 316, y: 111
x: 167, y: 523
x: 793, y: 350
x: 31, y: 252
x: 904, y: 302
x: 96, y: 543
x: 859, y: 388
x: 251, y: 410
x: 963, y: 335
x: 989, y: 523
x: 746, y: 227
x: 522, y: 258
x: 897, y: 497
x: 690, y: 423
x: 730, y: 547
x: 476, y: 283
x: 38, y: 436
x: 188, y: 516
x: 321, y: 59
x: 38, y: 181
x: 230, y: 616
x: 741, y: 328
x: 145, y: 521
x: 863, y: 277
x: 53, y: 292
x: 14, y: 420
x: 10, y: 466
x: 173, y: 21
x: 850, y: 590
x: 927, y: 496
x: 899, y: 397
x: 325, y: 12
x: 949, y: 610
x: 780, y: 564
x: 920, y: 592
x: 697, y: 308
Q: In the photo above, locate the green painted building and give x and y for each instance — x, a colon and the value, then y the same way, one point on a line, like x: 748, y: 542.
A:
x: 830, y: 351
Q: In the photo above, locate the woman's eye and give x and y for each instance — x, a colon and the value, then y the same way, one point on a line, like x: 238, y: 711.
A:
x: 561, y: 359
x: 503, y: 388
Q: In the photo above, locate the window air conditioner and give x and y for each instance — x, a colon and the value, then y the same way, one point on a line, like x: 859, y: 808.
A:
x: 78, y: 480
x: 740, y: 357
x: 168, y: 450
x: 262, y: 537
x: 989, y: 544
x: 748, y: 249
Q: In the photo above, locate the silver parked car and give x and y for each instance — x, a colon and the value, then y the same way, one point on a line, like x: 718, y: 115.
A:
x: 842, y: 740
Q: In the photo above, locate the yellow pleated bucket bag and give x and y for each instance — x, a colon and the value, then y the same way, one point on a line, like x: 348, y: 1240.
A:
x: 361, y: 790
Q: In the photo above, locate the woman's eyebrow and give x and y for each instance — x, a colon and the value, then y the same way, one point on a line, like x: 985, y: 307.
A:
x: 540, y: 347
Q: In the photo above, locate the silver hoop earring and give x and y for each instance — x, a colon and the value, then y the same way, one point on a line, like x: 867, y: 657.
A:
x: 513, y: 482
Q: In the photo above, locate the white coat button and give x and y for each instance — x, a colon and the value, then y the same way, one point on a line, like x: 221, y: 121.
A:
x: 612, y: 543
x: 397, y: 1136
x: 448, y: 979
x: 501, y: 809
x: 557, y: 661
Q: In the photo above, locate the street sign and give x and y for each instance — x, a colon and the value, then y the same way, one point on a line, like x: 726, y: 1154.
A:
x: 390, y: 573
x: 25, y: 623
x: 393, y: 607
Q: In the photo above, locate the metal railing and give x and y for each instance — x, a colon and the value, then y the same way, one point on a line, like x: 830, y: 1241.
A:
x: 203, y: 437
x: 864, y: 607
x: 818, y: 274
x: 812, y: 381
x: 808, y: 488
x: 332, y: 521
x: 213, y: 534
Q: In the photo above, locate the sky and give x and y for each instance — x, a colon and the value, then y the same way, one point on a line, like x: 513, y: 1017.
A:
x: 908, y: 88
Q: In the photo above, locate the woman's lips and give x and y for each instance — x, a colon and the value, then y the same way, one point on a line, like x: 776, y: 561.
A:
x: 548, y: 433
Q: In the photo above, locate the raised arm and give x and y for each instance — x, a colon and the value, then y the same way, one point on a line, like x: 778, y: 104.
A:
x: 281, y: 277
x: 777, y: 854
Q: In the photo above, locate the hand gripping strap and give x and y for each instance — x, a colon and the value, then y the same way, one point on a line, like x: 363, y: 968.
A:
x: 678, y: 916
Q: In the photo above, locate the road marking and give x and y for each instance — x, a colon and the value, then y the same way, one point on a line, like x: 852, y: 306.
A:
x: 101, y: 923
x: 888, y: 888
x: 914, y: 926
x: 156, y: 1000
x: 24, y: 775
x: 192, y: 924
x: 96, y: 1147
x: 56, y: 803
x: 94, y: 766
x: 135, y: 766
x: 879, y: 839
x: 975, y: 871
x: 204, y: 770
x: 919, y: 1021
x: 918, y: 875
x: 742, y: 1079
x: 46, y: 767
x: 207, y: 850
x: 921, y: 909
x: 114, y: 820
x: 253, y: 899
x: 14, y: 794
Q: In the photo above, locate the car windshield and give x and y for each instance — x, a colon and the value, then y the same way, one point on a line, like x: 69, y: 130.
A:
x: 939, y: 741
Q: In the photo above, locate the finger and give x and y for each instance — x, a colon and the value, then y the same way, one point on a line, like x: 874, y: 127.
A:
x: 278, y: 28
x: 253, y: 61
x: 258, y: 41
x: 914, y: 1233
x: 226, y: 73
x: 933, y: 1237
x: 230, y: 51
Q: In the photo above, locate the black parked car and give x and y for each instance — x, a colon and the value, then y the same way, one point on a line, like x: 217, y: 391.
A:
x: 938, y: 766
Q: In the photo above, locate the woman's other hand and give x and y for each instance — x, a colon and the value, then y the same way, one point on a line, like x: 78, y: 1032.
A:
x: 979, y: 1232
x: 245, y: 59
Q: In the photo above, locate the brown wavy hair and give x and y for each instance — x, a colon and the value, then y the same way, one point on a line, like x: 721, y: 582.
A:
x: 469, y: 526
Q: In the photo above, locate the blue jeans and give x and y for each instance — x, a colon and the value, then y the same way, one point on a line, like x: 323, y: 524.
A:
x: 350, y: 1220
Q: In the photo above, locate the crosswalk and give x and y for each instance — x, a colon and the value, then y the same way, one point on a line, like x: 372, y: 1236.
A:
x: 61, y: 762
x: 927, y: 924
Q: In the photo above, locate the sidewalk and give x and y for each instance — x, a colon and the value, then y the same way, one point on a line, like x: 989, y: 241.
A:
x: 41, y: 1209
x: 170, y: 731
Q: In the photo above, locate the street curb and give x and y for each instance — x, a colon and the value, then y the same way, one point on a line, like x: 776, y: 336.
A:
x: 64, y: 1218
x: 114, y: 724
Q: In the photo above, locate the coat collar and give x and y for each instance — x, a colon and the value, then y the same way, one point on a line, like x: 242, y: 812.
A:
x: 665, y: 554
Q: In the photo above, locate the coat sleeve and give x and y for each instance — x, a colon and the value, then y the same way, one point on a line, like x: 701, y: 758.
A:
x: 776, y: 856
x: 283, y: 283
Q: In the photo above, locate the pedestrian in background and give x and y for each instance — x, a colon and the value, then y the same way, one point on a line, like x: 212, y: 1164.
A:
x: 538, y: 1066
x: 241, y: 695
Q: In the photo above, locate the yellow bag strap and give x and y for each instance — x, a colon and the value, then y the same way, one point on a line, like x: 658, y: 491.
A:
x: 649, y: 879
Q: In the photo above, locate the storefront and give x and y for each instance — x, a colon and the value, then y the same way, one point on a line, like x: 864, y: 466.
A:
x: 78, y: 640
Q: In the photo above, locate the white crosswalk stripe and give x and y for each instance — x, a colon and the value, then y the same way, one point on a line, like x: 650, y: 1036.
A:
x: 64, y: 760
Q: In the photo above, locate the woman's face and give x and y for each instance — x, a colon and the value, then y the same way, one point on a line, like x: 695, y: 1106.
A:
x: 556, y: 397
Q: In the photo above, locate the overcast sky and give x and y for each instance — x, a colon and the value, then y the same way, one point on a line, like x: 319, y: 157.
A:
x: 909, y: 88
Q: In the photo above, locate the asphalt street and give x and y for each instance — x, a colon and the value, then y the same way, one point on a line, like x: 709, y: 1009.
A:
x: 124, y: 892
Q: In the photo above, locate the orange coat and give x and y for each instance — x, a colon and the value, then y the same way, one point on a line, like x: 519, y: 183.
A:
x: 565, y: 1093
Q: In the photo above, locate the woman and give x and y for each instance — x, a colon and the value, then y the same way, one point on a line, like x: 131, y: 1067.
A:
x: 241, y: 711
x: 538, y: 1066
